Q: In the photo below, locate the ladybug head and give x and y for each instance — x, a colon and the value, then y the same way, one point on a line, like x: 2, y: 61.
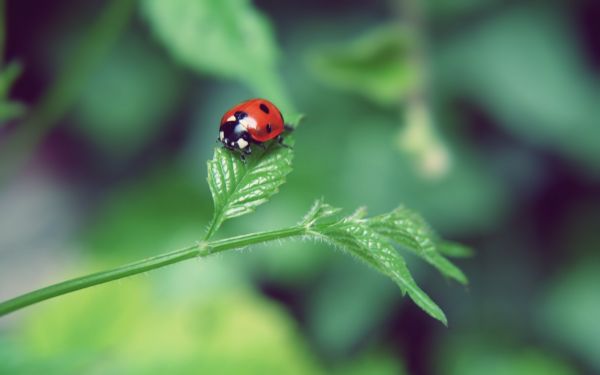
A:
x: 234, y: 135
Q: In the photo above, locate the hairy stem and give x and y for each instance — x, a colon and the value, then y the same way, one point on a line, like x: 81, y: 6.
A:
x: 201, y: 249
x: 215, y: 222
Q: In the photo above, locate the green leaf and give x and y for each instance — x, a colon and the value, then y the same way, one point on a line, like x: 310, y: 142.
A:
x: 227, y: 38
x: 319, y: 213
x: 8, y: 76
x: 410, y: 230
x: 355, y: 235
x: 9, y: 110
x: 454, y: 250
x: 237, y: 188
x: 374, y: 66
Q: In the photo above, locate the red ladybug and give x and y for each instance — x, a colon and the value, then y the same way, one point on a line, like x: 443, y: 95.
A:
x: 253, y: 121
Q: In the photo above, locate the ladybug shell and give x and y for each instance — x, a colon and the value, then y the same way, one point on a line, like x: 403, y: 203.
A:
x: 263, y: 119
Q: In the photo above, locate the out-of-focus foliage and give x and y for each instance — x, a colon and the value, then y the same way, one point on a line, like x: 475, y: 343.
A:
x: 373, y: 66
x: 9, y: 110
x: 420, y: 140
x: 161, y: 210
x: 366, y: 298
x: 373, y: 364
x: 228, y: 38
x: 569, y: 312
x: 129, y: 98
x: 443, y: 9
x: 488, y: 355
x: 554, y: 102
x: 228, y: 332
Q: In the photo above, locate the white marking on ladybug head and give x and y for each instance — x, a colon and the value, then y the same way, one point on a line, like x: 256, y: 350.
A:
x: 242, y: 143
x: 221, y: 135
x: 248, y: 122
x: 231, y: 118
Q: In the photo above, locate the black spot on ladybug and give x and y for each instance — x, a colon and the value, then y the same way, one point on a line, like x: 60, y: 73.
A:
x: 240, y: 115
x: 264, y: 108
x: 269, y: 128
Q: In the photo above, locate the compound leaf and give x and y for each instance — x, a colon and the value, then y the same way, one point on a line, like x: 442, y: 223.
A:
x: 410, y: 230
x: 355, y: 235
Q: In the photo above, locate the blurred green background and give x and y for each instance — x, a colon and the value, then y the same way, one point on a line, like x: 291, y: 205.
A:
x: 481, y: 114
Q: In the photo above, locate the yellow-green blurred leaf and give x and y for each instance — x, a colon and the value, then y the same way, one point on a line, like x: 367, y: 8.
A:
x: 129, y: 330
x: 375, y: 363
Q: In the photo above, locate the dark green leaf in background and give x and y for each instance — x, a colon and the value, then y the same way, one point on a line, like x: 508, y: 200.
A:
x: 524, y: 66
x: 374, y: 66
x: 9, y: 110
x: 494, y: 354
x: 569, y: 310
x: 127, y: 100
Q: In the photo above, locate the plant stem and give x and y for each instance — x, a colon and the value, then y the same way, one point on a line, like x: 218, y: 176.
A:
x: 215, y: 222
x: 254, y: 238
x: 199, y: 250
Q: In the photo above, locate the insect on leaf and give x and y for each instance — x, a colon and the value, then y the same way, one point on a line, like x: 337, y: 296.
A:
x: 238, y: 188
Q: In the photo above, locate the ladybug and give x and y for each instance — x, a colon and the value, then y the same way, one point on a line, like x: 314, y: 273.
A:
x: 253, y: 121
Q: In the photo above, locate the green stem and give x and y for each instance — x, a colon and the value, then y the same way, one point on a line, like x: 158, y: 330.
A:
x: 198, y: 250
x: 215, y: 223
x: 254, y: 238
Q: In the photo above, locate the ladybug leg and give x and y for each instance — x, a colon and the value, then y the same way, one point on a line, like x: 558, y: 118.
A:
x: 245, y: 152
x: 280, y: 141
x: 261, y: 145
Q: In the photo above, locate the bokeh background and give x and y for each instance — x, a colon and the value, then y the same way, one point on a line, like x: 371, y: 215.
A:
x: 481, y: 114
